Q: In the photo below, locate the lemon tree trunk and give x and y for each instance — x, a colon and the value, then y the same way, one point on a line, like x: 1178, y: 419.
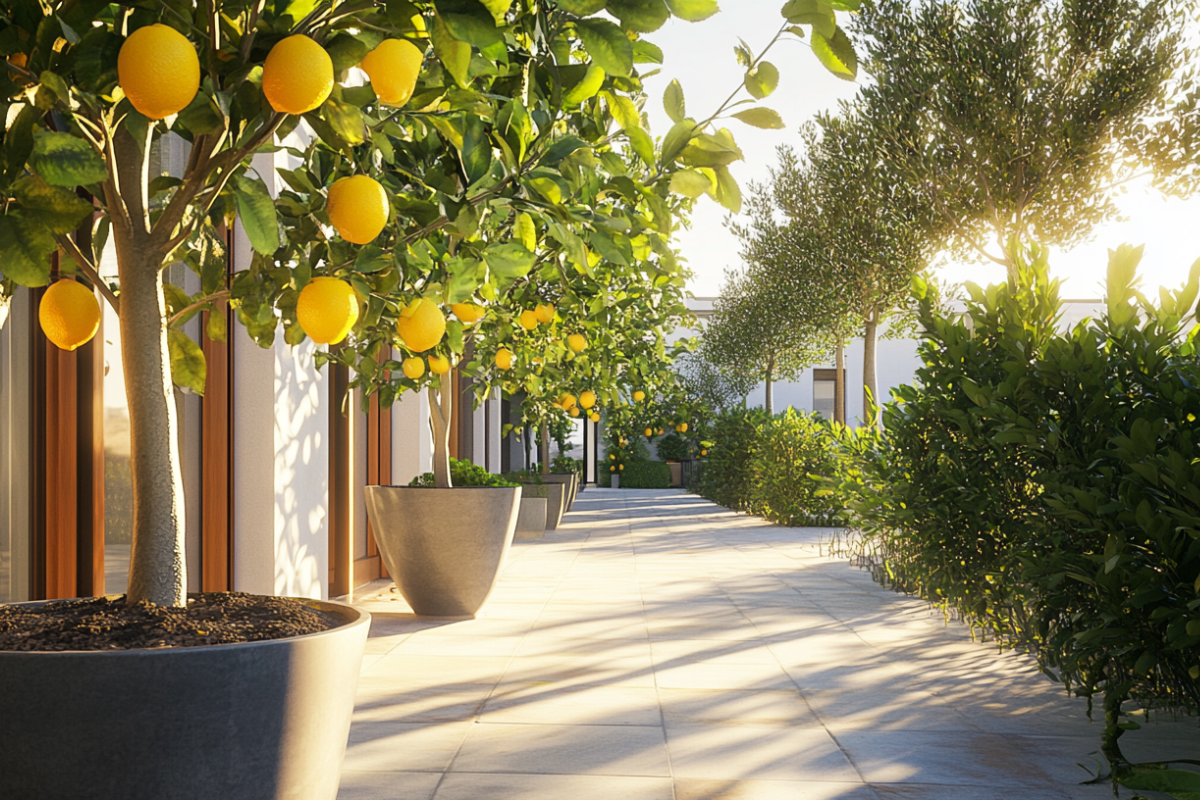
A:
x: 770, y: 381
x: 441, y: 409
x: 545, y: 450
x: 839, y: 384
x: 870, y: 377
x: 157, y: 571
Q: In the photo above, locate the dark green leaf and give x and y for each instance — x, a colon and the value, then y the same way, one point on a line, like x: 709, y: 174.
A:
x: 476, y: 149
x: 60, y: 210
x: 256, y: 212
x: 454, y: 54
x: 561, y: 149
x: 477, y: 30
x: 25, y: 250
x: 65, y: 160
x: 508, y: 262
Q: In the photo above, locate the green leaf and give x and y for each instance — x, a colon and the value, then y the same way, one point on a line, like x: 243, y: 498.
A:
x: 478, y: 31
x: 1174, y: 781
x: 508, y: 262
x: 514, y: 124
x: 693, y: 10
x: 345, y: 119
x: 762, y: 80
x: 582, y: 8
x: 372, y: 259
x: 646, y: 52
x: 454, y: 54
x: 818, y: 13
x: 65, y: 160
x: 623, y: 111
x: 674, y: 103
x: 525, y: 232
x: 728, y: 193
x: 547, y: 188
x: 216, y: 329
x: 641, y: 16
x: 60, y: 210
x: 188, y: 367
x: 837, y: 54
x: 690, y: 183
x: 476, y: 149
x: 608, y: 45
x: 256, y: 211
x: 642, y: 144
x: 677, y: 139
x: 562, y: 148
x: 25, y: 250
x: 201, y: 116
x: 498, y: 8
x: 586, y: 89
x: 346, y: 51
x: 761, y: 118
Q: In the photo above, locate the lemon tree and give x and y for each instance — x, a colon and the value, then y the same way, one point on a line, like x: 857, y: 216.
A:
x: 506, y: 138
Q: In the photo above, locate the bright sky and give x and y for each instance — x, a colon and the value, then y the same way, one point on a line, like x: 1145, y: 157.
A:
x: 700, y: 56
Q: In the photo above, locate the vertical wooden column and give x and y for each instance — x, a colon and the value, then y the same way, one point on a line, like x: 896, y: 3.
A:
x: 216, y: 436
x: 341, y: 517
x: 379, y: 473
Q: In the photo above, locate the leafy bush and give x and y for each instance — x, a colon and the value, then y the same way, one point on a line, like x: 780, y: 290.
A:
x: 673, y: 447
x: 524, y: 476
x: 636, y: 475
x: 776, y: 467
x: 464, y: 473
x: 564, y: 464
x: 1046, y: 485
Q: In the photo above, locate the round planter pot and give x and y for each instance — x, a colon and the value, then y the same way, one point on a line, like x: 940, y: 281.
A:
x: 556, y: 504
x: 568, y: 480
x: 531, y: 519
x: 443, y: 547
x: 254, y: 721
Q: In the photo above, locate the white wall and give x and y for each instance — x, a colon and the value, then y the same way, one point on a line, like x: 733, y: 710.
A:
x: 281, y: 459
x: 412, y: 441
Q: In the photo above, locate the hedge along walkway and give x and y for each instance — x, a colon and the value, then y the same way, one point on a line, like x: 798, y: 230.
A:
x: 658, y: 647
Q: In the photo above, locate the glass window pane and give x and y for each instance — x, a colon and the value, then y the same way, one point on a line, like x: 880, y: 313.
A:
x: 15, y: 450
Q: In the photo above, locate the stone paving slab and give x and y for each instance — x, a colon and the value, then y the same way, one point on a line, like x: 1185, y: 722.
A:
x: 658, y: 647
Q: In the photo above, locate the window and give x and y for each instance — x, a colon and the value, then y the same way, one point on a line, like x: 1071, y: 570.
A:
x: 825, y: 392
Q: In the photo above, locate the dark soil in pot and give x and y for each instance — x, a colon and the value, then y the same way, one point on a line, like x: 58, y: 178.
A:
x: 107, y: 623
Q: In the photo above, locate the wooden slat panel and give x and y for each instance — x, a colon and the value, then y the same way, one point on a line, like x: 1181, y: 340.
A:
x: 61, y: 476
x: 340, y: 512
x: 216, y: 448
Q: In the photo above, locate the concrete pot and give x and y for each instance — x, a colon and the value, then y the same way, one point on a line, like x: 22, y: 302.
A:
x: 443, y: 547
x: 255, y: 721
x: 531, y: 519
x: 616, y: 481
x: 556, y: 505
x: 568, y: 479
x: 676, y: 473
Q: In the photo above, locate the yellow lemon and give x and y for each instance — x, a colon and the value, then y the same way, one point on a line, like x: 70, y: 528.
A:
x: 567, y: 400
x: 544, y: 313
x: 358, y: 208
x: 612, y: 458
x: 69, y: 314
x: 467, y: 313
x: 612, y: 469
x: 297, y: 75
x: 528, y: 320
x: 660, y: 431
x: 393, y: 67
x: 594, y: 417
x: 421, y: 325
x: 620, y: 466
x: 682, y: 427
x: 504, y: 358
x: 587, y: 398
x: 703, y: 452
x: 649, y: 433
x: 158, y: 70
x: 639, y: 396
x: 327, y: 309
x: 439, y: 365
x: 413, y: 367
x: 574, y: 411
x: 578, y: 342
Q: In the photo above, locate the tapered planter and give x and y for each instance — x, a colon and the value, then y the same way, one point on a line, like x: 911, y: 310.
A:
x: 443, y: 547
x: 556, y: 504
x: 568, y: 479
x: 531, y: 520
x: 254, y: 721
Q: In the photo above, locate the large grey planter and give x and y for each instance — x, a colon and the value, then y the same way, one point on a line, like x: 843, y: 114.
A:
x: 568, y: 479
x: 443, y: 547
x: 556, y: 504
x: 255, y: 721
x: 531, y: 520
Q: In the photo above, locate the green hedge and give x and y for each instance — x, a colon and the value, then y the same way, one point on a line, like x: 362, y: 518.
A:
x: 1047, y: 485
x: 636, y: 475
x: 774, y: 467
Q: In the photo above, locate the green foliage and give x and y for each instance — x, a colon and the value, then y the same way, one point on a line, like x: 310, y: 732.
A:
x: 636, y: 475
x: 673, y: 447
x: 1044, y: 483
x: 524, y: 476
x: 563, y: 464
x: 464, y: 473
x: 776, y: 467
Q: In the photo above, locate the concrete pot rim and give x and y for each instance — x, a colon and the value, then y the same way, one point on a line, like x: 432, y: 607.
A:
x: 351, y: 617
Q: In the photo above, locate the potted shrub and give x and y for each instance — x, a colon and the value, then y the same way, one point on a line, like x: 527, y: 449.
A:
x: 673, y: 449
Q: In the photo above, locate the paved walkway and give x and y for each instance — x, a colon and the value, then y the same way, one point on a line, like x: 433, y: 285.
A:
x: 657, y: 647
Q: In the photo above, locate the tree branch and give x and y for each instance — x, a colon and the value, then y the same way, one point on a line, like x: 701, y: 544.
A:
x: 89, y: 269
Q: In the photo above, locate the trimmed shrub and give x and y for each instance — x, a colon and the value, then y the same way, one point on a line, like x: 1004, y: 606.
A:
x: 673, y: 447
x: 636, y: 475
x: 794, y: 454
x: 464, y: 473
